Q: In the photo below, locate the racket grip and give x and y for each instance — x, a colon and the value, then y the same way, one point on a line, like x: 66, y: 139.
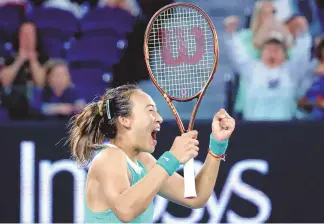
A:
x: 189, y: 180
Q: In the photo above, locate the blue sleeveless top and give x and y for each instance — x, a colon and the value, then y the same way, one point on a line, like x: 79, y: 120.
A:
x: 138, y: 171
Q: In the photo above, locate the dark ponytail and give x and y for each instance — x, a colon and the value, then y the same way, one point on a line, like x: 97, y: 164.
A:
x: 92, y: 126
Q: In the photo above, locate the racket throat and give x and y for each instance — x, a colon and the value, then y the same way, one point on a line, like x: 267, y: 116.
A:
x: 175, y: 113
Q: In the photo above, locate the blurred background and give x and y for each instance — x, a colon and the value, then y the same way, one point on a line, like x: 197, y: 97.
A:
x: 58, y: 55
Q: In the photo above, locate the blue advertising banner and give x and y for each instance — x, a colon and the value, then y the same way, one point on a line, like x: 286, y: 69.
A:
x: 274, y: 172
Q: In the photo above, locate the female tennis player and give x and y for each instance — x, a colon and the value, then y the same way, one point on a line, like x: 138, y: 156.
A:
x: 123, y: 176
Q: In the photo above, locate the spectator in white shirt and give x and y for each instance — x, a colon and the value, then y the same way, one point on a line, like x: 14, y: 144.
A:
x: 271, y: 81
x: 66, y: 5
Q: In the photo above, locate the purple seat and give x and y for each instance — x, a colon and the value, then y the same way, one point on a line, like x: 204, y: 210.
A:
x: 3, y: 114
x: 11, y: 17
x: 56, y: 27
x: 107, y: 21
x: 56, y: 20
x: 89, y: 81
x: 53, y: 47
x: 106, y: 50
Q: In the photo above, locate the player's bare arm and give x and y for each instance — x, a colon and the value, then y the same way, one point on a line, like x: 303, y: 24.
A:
x: 126, y: 201
x: 222, y: 128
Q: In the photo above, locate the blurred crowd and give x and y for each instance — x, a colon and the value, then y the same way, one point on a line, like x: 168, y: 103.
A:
x: 278, y: 57
x: 57, y: 55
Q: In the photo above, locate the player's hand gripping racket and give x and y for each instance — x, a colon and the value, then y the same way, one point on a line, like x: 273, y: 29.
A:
x: 181, y: 54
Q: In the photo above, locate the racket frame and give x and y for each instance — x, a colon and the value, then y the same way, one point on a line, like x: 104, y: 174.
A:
x: 189, y: 175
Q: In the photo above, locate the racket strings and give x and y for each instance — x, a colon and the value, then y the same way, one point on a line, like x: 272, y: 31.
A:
x: 181, y: 51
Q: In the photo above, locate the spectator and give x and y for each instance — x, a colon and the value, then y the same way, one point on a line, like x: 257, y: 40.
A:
x: 66, y: 5
x: 287, y: 10
x: 309, y: 10
x: 270, y: 81
x: 22, y: 72
x: 293, y: 23
x: 312, y: 86
x: 263, y: 22
x: 58, y: 98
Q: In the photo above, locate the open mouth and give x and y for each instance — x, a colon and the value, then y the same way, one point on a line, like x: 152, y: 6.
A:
x: 153, y: 134
x: 272, y: 61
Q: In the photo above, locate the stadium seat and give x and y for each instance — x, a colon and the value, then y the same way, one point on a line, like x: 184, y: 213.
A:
x: 3, y: 114
x: 89, y: 79
x: 107, y: 22
x: 106, y: 50
x: 11, y: 17
x: 55, y: 32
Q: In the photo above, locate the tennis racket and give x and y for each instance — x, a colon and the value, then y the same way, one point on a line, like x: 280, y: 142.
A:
x: 181, y: 54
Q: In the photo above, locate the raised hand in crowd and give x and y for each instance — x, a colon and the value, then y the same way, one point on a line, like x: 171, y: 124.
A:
x: 231, y: 23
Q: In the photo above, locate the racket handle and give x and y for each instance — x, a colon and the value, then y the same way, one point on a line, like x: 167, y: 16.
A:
x: 189, y: 180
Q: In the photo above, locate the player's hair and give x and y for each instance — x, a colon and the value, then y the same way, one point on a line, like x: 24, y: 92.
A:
x: 90, y: 128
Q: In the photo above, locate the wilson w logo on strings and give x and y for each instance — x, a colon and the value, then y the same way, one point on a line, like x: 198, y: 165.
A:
x: 179, y: 39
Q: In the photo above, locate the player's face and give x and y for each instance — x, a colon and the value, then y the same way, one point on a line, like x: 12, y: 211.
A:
x: 145, y: 122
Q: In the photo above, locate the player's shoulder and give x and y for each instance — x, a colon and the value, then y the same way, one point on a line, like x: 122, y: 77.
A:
x: 109, y: 157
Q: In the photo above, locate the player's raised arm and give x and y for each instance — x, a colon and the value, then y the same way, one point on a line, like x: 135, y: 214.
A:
x: 119, y: 187
x: 178, y: 73
x: 222, y: 128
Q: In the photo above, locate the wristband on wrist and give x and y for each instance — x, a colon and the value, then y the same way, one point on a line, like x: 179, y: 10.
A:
x: 217, y: 147
x: 168, y: 162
